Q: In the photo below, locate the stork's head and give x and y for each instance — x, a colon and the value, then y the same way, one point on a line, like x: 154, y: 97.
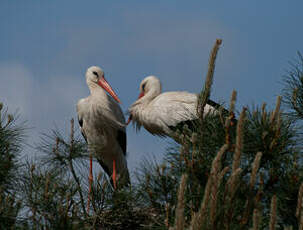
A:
x: 150, y: 84
x: 95, y: 76
x: 150, y: 87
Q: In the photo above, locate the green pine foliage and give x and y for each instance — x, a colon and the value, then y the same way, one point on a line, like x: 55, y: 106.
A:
x: 11, y: 139
x: 231, y: 170
x: 293, y: 90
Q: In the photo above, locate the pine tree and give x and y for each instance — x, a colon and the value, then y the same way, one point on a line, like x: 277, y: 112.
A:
x: 235, y: 170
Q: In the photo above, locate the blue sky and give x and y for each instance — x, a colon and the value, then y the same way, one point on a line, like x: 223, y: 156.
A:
x: 46, y: 47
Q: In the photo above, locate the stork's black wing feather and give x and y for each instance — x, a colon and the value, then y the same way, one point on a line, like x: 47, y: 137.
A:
x: 121, y: 138
x: 191, y: 124
x: 81, y: 125
x: 224, y: 111
x: 105, y: 168
x: 217, y: 106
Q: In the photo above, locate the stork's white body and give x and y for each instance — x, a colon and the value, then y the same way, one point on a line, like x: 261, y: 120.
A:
x: 103, y: 126
x: 158, y: 112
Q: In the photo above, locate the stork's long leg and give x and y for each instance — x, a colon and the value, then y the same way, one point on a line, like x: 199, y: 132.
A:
x: 114, y: 174
x: 90, y: 179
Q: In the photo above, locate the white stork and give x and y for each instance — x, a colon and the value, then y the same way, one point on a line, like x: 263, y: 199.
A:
x: 160, y: 112
x: 103, y: 126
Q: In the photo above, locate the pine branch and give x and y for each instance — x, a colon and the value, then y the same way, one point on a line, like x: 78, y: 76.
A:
x: 70, y: 162
x: 273, y: 213
x: 205, y: 93
x: 239, y: 141
x: 198, y: 218
x: 179, y: 225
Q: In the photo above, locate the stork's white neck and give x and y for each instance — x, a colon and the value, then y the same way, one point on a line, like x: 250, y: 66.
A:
x: 95, y: 88
x: 149, y: 96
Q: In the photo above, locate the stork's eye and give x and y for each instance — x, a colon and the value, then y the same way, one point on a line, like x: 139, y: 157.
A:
x: 95, y: 73
x: 143, y: 86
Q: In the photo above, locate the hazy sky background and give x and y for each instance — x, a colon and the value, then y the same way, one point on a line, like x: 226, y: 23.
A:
x: 46, y: 47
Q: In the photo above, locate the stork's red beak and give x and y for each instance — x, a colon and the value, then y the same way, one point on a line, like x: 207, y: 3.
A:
x: 129, y: 119
x: 131, y: 116
x: 104, y: 84
x: 141, y: 95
